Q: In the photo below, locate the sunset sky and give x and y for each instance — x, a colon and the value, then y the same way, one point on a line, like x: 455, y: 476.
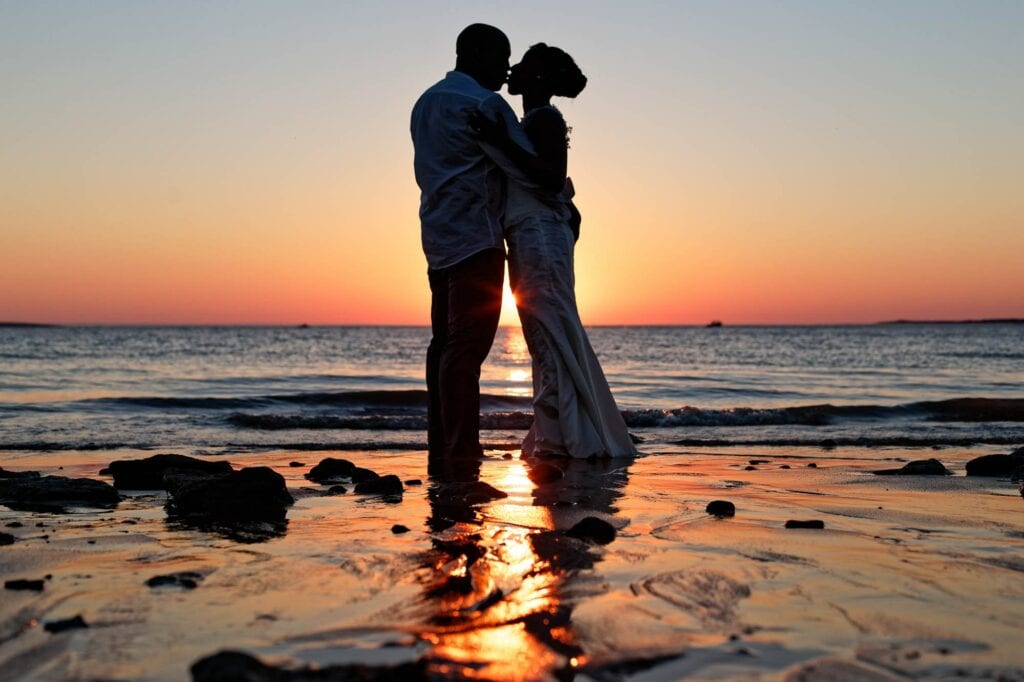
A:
x: 755, y: 162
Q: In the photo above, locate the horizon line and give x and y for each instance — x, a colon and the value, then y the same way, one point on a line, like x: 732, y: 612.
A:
x: 717, y: 324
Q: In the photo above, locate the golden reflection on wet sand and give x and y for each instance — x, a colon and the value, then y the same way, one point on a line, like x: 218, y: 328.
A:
x: 495, y: 595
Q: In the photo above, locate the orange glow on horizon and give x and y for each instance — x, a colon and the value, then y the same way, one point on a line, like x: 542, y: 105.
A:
x: 837, y: 192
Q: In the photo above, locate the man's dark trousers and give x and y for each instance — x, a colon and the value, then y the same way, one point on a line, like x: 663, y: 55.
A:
x: 464, y: 311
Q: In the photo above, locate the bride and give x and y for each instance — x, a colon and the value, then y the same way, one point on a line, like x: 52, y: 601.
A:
x: 574, y: 413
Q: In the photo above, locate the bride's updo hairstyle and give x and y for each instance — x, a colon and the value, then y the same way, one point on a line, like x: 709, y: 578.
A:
x: 556, y: 68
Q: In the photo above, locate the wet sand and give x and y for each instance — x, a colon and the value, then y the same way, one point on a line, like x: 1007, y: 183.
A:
x: 912, y: 576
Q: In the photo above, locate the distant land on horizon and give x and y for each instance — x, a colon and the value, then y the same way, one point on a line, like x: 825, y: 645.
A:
x: 26, y: 324
x: 994, y: 320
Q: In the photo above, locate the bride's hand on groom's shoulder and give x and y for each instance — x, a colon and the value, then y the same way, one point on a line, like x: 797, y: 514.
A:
x: 492, y: 131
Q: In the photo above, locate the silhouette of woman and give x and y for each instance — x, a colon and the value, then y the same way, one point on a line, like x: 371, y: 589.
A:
x: 574, y: 412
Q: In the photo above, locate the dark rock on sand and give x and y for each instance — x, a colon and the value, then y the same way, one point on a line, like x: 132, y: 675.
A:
x: 721, y: 508
x: 187, y: 579
x: 414, y: 481
x: 919, y: 467
x: 296, y: 465
x: 56, y: 492
x: 6, y: 539
x: 361, y: 475
x: 382, y: 485
x: 398, y: 529
x: 148, y: 473
x: 235, y: 666
x: 254, y: 493
x: 750, y: 467
x: 18, y: 474
x: 784, y: 466
x: 812, y: 465
x: 542, y: 472
x: 330, y: 469
x: 593, y: 529
x: 828, y: 444
x: 562, y: 552
x: 33, y: 585
x: 759, y: 461
x: 995, y: 465
x: 467, y: 492
x: 813, y: 523
x: 75, y: 623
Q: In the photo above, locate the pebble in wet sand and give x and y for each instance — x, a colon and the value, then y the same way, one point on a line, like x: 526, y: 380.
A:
x: 330, y: 469
x: 469, y: 492
x: 361, y: 475
x: 721, y: 508
x: 382, y: 485
x: 995, y: 465
x: 148, y: 473
x: 31, y: 585
x: 254, y: 493
x: 188, y: 579
x: 919, y: 467
x: 5, y: 474
x: 56, y: 492
x: 398, y: 529
x: 6, y: 539
x: 812, y: 523
x: 593, y: 529
x: 75, y: 623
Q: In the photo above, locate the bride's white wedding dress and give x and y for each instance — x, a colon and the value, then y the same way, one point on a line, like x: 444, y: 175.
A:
x: 574, y: 412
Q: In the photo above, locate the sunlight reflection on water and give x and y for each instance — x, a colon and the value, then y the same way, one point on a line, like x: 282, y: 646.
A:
x: 503, y: 582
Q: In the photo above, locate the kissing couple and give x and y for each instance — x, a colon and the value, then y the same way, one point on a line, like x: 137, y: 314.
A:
x: 487, y: 179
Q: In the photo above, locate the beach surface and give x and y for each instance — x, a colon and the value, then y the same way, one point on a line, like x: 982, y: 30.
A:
x: 911, y: 576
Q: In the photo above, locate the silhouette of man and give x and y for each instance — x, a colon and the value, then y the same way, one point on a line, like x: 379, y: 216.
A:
x: 462, y: 183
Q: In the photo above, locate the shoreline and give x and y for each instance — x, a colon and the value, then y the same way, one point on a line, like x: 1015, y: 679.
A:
x: 911, y: 575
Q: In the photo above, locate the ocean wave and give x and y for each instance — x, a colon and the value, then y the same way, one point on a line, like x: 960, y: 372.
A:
x: 489, y: 421
x: 411, y: 398
x: 926, y: 441
x: 55, y: 446
x: 955, y: 410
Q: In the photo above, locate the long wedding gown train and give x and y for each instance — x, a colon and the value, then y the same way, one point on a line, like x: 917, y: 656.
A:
x: 574, y: 412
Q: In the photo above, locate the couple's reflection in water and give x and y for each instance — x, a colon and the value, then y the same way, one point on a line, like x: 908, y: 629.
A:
x: 502, y: 576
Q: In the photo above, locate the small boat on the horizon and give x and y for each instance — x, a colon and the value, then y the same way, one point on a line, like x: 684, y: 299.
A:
x: 714, y: 323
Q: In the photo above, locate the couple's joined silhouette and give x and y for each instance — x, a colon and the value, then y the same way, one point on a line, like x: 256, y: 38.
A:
x: 487, y: 179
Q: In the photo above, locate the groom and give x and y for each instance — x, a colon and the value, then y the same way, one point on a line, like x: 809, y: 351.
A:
x: 462, y: 184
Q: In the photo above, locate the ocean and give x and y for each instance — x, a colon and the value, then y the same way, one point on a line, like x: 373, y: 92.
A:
x: 217, y: 390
